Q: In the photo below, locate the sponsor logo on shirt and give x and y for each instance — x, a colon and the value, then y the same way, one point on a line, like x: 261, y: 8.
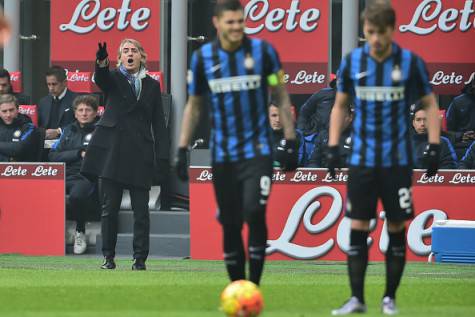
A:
x: 380, y: 93
x: 236, y: 83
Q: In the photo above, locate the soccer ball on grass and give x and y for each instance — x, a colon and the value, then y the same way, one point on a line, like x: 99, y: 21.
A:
x: 241, y: 299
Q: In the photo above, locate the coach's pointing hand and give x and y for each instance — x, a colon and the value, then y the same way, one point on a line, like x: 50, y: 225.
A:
x: 101, y: 53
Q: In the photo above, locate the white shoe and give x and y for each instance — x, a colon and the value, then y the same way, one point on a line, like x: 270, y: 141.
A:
x: 388, y: 306
x: 353, y: 305
x: 80, y: 243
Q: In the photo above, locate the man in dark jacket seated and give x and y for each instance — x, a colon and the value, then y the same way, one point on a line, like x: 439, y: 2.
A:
x: 19, y: 139
x: 82, y: 197
x: 447, y: 158
x: 319, y: 155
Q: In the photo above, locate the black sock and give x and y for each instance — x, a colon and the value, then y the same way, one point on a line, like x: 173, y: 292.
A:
x: 395, y: 262
x: 257, y: 250
x: 234, y: 256
x: 357, y: 262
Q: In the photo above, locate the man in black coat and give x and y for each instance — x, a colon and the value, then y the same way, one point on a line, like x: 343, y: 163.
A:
x: 55, y: 110
x: 129, y: 147
x: 19, y: 140
x: 82, y: 198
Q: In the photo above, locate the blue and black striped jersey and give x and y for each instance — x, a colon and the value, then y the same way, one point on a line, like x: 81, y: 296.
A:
x: 237, y: 85
x: 382, y: 93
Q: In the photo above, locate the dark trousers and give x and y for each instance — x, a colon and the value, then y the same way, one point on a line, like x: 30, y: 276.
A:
x: 111, y: 197
x: 81, y: 200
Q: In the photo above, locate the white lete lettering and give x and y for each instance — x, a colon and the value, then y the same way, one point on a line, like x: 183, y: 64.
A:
x: 256, y: 10
x: 305, y: 208
x: 105, y: 18
x: 447, y: 19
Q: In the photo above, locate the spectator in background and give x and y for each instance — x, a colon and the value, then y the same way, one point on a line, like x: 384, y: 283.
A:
x: 81, y: 194
x: 276, y: 127
x: 6, y: 88
x: 55, y: 110
x: 447, y: 156
x: 18, y: 136
x: 314, y: 115
x: 468, y: 160
x: 129, y: 147
x: 461, y: 118
x: 318, y: 158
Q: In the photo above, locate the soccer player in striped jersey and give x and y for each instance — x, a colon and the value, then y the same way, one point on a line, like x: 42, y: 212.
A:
x: 237, y: 72
x: 382, y: 80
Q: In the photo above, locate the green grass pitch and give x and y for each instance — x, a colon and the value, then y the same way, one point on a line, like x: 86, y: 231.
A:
x: 75, y: 286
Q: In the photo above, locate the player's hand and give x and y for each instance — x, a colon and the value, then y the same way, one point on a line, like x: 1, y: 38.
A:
x: 287, y: 155
x: 333, y: 159
x: 431, y: 159
x: 182, y: 164
x: 101, y: 53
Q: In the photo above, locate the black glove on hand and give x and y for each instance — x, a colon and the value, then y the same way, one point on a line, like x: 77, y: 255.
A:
x: 431, y: 159
x: 101, y: 53
x: 287, y: 155
x: 182, y: 164
x: 333, y: 159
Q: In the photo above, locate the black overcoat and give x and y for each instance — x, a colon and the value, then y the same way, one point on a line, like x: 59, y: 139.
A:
x: 131, y: 137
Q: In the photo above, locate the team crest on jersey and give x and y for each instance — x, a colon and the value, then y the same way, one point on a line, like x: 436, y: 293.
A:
x: 87, y: 139
x: 396, y: 74
x: 17, y: 133
x: 249, y: 61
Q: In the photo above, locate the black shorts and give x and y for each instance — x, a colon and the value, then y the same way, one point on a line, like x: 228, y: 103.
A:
x: 393, y: 185
x: 242, y: 189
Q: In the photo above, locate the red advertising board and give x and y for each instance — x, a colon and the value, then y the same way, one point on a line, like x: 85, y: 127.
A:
x: 77, y: 27
x: 31, y: 111
x: 298, y: 29
x: 15, y: 79
x: 443, y: 33
x: 32, y: 208
x: 306, y: 220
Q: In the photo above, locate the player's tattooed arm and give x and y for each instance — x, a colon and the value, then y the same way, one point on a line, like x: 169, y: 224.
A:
x: 191, y: 116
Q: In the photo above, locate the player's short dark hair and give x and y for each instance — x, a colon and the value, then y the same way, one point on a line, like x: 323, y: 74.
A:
x: 380, y: 13
x: 89, y: 100
x: 4, y: 74
x: 7, y: 98
x: 418, y: 106
x: 57, y: 71
x: 227, y: 5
